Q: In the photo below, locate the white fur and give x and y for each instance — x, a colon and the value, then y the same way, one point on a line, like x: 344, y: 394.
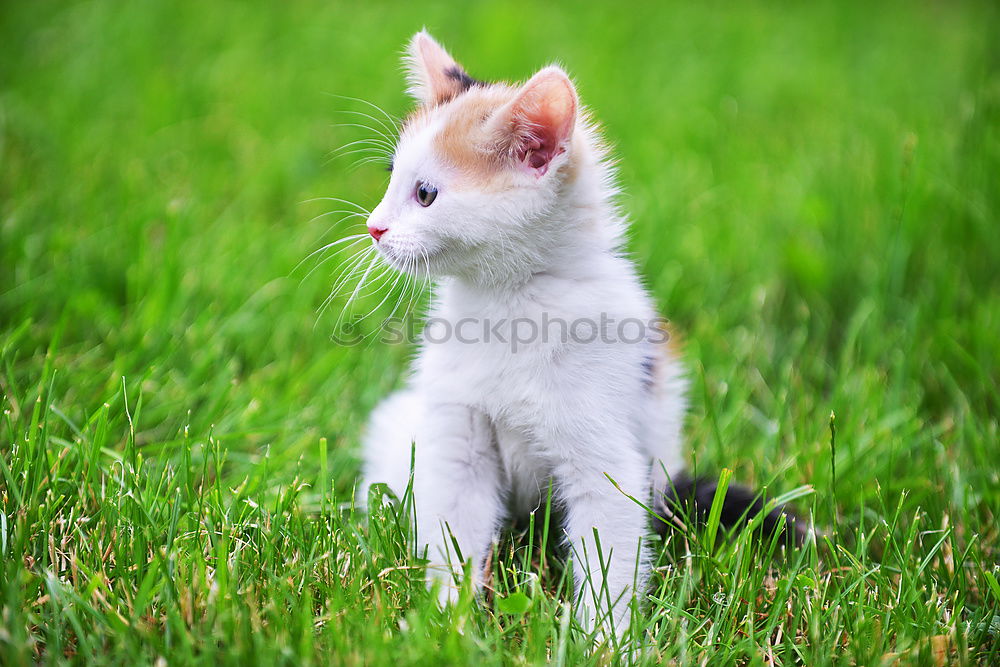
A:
x: 491, y: 425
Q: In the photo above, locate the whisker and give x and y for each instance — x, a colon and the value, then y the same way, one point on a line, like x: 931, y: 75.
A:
x: 411, y: 292
x: 427, y: 287
x: 378, y: 135
x: 334, y: 243
x: 388, y: 293
x: 362, y: 281
x: 384, y: 156
x: 345, y: 277
x: 373, y: 156
x: 393, y: 291
x: 326, y: 259
x: 380, y: 160
x: 367, y: 154
x: 351, y: 247
x: 337, y: 223
x: 381, y: 279
x: 364, y: 126
x: 349, y: 214
x: 369, y: 143
x: 342, y: 201
x: 385, y: 145
x: 391, y: 130
x: 392, y: 119
x: 402, y: 295
x: 358, y: 290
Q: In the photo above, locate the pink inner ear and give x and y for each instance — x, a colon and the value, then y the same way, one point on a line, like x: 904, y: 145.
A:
x: 545, y: 113
x: 537, y: 160
x: 533, y: 152
x: 537, y: 151
x: 543, y: 143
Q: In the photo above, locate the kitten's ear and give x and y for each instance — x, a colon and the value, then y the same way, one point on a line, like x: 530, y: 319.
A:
x: 432, y: 74
x: 537, y: 125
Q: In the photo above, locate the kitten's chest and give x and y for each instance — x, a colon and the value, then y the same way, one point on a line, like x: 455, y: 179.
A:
x: 505, y: 357
x: 505, y: 365
x: 532, y: 359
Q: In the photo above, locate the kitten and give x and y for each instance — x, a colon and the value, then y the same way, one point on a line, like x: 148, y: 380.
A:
x: 503, y: 193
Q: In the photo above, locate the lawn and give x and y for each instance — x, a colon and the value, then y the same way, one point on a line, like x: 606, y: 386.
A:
x: 815, y: 200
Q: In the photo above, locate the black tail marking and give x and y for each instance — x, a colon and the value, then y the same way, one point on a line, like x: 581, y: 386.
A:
x: 687, y: 496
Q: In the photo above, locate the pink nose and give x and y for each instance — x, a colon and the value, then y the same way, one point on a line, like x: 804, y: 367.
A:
x: 377, y: 232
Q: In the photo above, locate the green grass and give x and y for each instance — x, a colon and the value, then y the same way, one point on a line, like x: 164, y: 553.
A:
x: 815, y: 193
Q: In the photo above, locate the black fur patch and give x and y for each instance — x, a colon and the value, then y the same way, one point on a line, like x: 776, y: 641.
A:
x: 464, y: 80
x: 693, y: 497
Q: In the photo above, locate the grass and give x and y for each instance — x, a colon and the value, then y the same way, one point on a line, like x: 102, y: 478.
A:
x: 815, y: 197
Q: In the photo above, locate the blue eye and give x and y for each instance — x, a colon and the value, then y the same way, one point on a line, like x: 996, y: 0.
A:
x: 425, y: 194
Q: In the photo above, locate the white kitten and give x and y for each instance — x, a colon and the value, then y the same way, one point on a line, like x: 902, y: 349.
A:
x: 548, y: 363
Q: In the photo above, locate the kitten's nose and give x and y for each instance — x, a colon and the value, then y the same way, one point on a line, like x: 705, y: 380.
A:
x: 376, y: 231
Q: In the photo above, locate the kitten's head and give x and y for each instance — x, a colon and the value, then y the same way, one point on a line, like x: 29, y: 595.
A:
x: 478, y: 169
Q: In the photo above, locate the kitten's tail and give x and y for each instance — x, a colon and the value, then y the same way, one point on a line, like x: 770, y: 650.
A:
x: 690, y: 496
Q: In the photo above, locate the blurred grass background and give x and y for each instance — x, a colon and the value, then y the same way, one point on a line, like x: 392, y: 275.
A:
x: 814, y: 191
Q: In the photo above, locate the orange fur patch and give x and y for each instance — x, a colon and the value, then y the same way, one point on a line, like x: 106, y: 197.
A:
x: 670, y: 350
x: 673, y: 346
x: 468, y: 141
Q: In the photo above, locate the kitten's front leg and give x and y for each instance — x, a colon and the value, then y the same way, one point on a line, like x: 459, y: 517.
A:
x: 610, y: 568
x: 457, y: 492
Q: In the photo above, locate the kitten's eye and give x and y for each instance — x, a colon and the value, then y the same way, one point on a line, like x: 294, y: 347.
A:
x: 425, y: 193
